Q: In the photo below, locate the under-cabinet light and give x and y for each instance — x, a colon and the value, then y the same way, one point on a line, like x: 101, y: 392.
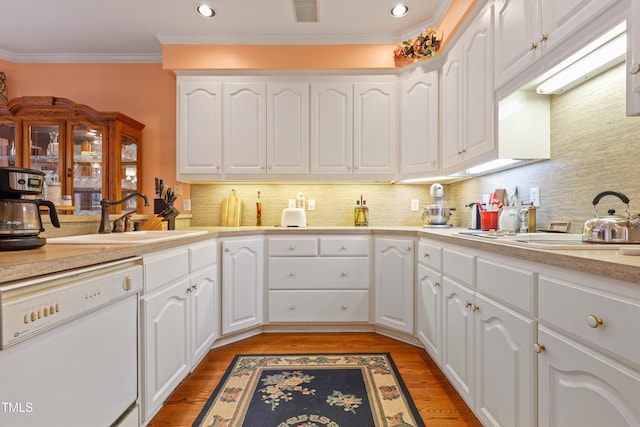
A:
x: 490, y: 166
x: 605, y: 52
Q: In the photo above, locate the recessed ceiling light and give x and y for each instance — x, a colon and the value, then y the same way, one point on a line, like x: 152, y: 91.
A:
x: 399, y: 10
x: 206, y: 11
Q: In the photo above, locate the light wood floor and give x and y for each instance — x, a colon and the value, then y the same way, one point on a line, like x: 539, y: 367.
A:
x: 438, y: 402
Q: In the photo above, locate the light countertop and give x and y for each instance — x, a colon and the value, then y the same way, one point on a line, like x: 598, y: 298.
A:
x: 611, y: 263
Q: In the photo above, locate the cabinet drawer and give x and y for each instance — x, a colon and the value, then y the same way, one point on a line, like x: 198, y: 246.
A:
x: 162, y: 268
x: 459, y: 265
x: 319, y: 273
x: 508, y: 284
x: 318, y: 306
x: 293, y: 247
x: 430, y: 255
x: 576, y: 310
x: 344, y: 246
x: 202, y: 254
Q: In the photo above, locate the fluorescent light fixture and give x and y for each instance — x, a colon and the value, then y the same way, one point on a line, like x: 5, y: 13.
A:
x: 399, y: 10
x: 491, y: 166
x: 205, y: 11
x: 428, y: 179
x: 600, y: 55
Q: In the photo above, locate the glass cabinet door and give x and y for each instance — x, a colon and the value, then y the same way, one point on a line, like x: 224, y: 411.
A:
x: 88, y: 165
x: 7, y: 145
x: 44, y: 154
x: 129, y: 169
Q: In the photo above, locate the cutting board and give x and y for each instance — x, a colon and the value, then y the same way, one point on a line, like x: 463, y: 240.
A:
x: 231, y: 210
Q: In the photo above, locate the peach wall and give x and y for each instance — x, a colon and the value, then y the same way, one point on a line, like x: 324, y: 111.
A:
x: 144, y: 92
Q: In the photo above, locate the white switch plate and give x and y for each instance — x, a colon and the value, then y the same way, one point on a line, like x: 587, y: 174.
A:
x: 186, y: 205
x: 534, y: 196
x: 311, y: 205
x: 415, y: 205
x: 292, y: 203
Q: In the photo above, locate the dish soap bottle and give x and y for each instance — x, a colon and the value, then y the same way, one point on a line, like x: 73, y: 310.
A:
x: 258, y: 211
x: 361, y: 213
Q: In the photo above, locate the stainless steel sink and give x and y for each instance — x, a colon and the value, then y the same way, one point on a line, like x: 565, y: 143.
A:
x: 543, y: 240
x: 127, y: 238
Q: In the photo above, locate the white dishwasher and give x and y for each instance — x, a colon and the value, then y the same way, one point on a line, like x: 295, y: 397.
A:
x: 69, y: 347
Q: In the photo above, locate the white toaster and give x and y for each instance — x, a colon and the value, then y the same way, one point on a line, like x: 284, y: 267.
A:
x: 293, y: 217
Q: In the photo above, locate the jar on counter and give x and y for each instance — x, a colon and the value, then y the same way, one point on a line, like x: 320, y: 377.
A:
x: 66, y: 200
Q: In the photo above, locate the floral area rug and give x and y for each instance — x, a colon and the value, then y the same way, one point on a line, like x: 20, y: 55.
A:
x: 310, y: 390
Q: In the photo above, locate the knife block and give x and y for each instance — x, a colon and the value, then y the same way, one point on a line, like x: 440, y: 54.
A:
x: 159, y: 205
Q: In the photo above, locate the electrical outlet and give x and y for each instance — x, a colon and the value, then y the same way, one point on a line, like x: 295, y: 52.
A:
x: 415, y: 205
x: 311, y: 205
x: 186, y: 205
x: 292, y: 203
x: 534, y: 196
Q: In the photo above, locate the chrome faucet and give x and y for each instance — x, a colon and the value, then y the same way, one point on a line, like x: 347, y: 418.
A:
x: 105, y: 203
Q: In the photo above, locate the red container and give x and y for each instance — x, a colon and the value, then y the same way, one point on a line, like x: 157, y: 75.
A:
x: 488, y: 220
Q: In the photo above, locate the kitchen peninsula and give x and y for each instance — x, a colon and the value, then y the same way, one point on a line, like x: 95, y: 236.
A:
x: 462, y: 298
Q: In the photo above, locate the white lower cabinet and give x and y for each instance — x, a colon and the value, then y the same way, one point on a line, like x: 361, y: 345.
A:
x: 579, y: 387
x: 429, y: 298
x: 394, y: 283
x: 589, y: 353
x: 318, y: 279
x: 242, y: 283
x: 486, y: 345
x: 179, y: 315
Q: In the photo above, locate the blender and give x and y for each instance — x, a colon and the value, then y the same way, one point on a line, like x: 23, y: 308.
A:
x: 437, y: 214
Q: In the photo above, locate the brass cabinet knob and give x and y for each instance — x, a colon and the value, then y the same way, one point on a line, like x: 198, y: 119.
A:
x: 468, y: 304
x: 543, y: 38
x: 533, y: 46
x: 538, y: 348
x: 436, y: 283
x: 593, y: 321
x: 475, y: 307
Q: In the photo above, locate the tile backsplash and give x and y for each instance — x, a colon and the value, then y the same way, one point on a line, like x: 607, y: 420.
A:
x: 594, y: 147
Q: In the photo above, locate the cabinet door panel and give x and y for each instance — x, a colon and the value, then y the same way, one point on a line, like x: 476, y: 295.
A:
x: 204, y: 312
x: 331, y: 128
x: 167, y: 343
x: 429, y: 319
x: 288, y: 128
x: 419, y: 125
x: 580, y: 388
x: 517, y: 37
x: 199, y: 128
x: 451, y: 107
x: 374, y: 133
x: 394, y: 283
x: 505, y: 366
x: 561, y: 19
x: 242, y: 284
x: 458, y: 338
x: 244, y: 130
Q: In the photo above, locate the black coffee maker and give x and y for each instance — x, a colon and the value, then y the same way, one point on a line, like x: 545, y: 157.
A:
x: 20, y: 221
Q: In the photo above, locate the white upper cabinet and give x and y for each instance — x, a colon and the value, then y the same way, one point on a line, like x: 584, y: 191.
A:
x: 633, y: 60
x: 331, y: 128
x: 528, y: 29
x: 353, y: 129
x: 199, y: 148
x: 419, y: 117
x: 244, y: 130
x: 288, y: 128
x: 467, y: 97
x: 374, y: 131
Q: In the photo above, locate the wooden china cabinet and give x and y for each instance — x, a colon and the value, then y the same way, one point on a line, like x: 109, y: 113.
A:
x: 84, y: 153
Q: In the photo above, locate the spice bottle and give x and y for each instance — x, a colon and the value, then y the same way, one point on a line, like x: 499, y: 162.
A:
x: 258, y: 211
x: 361, y: 214
x: 531, y: 218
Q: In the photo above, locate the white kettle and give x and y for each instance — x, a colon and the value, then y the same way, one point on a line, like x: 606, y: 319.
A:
x: 509, y: 219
